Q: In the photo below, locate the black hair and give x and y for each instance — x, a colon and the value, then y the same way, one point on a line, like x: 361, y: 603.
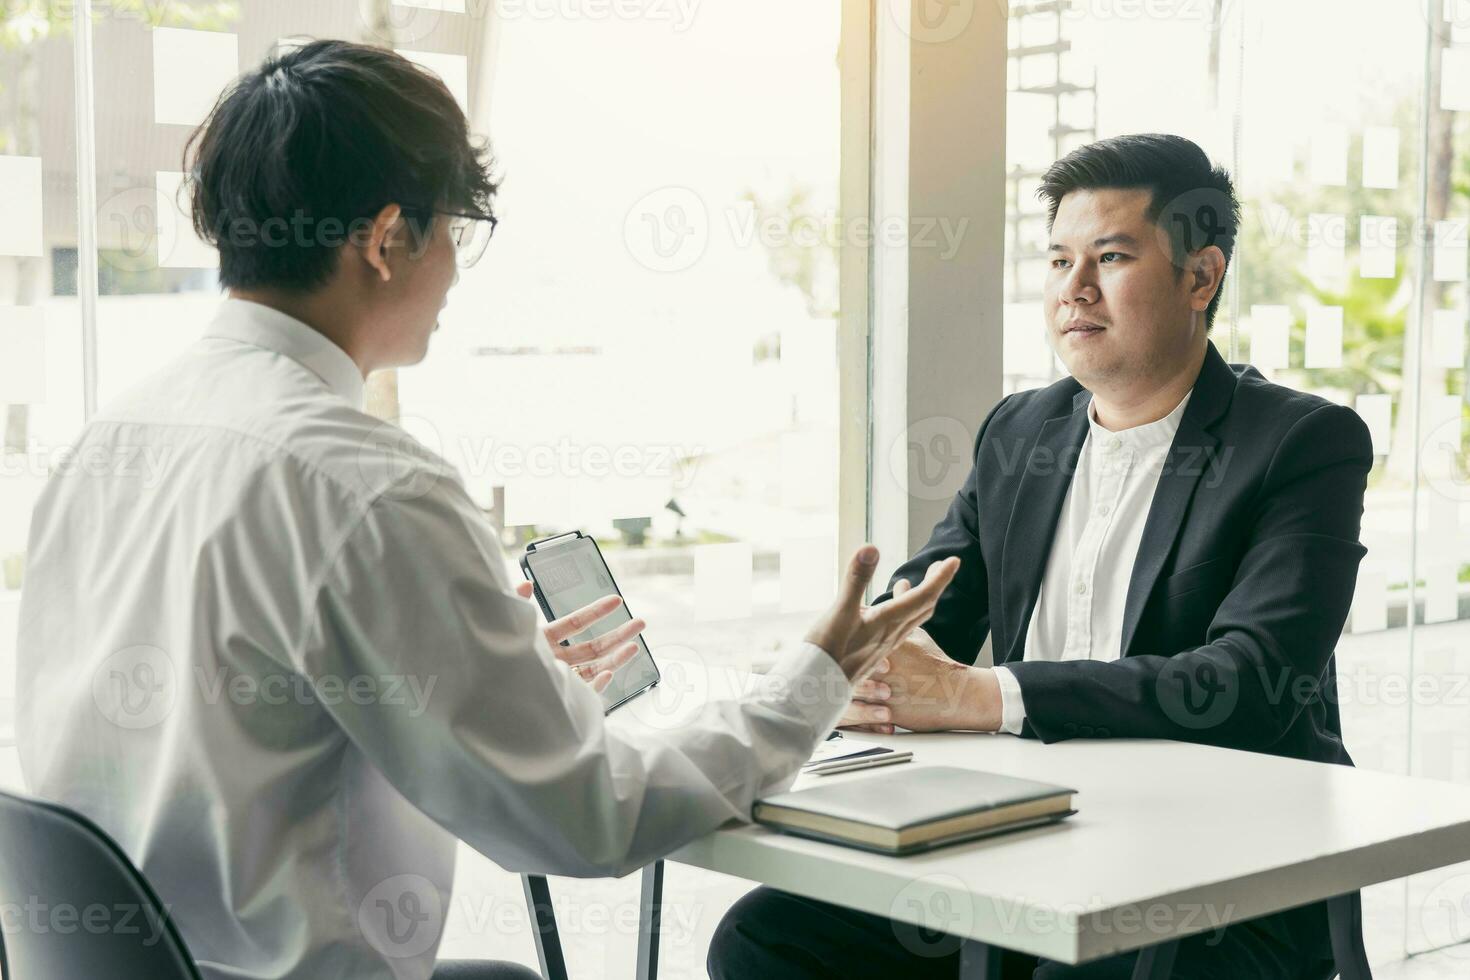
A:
x: 1193, y: 201
x: 298, y: 155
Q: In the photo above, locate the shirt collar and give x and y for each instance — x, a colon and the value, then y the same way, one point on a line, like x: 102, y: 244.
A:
x: 1153, y: 435
x: 261, y: 326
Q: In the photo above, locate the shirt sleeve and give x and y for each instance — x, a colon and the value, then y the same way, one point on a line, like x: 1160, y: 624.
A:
x: 1012, y: 707
x: 503, y: 746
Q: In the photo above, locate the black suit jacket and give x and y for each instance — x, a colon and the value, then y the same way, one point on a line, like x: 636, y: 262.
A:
x: 1243, y: 579
x: 1242, y: 583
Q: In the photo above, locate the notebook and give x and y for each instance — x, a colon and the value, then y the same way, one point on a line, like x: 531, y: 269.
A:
x: 915, y: 809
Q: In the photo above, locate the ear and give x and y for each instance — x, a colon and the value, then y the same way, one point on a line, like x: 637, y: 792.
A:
x: 1206, y: 271
x: 381, y: 237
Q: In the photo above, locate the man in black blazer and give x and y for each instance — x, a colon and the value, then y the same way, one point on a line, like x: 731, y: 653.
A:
x: 1159, y: 546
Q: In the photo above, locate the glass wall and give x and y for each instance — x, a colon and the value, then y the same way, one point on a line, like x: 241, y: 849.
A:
x: 1341, y: 123
x: 647, y: 351
x: 41, y: 402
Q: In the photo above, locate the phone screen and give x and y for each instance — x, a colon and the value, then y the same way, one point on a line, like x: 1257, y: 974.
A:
x: 571, y: 575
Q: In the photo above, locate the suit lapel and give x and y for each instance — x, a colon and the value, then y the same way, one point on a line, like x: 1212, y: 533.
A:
x: 1190, y: 456
x: 1038, y: 504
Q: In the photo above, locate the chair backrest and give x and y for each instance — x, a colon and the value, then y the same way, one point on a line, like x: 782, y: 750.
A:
x: 73, y: 905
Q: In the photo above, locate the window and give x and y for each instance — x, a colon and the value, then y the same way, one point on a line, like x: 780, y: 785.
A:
x: 648, y: 350
x: 1348, y: 281
x: 40, y: 326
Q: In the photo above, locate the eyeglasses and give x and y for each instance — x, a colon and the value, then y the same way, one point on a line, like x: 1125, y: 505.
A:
x: 471, y: 233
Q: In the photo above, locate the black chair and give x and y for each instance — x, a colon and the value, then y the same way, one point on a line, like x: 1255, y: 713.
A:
x: 73, y: 905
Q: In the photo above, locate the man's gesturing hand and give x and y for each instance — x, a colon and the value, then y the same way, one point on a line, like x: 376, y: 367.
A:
x: 920, y: 688
x: 595, y: 660
x: 858, y: 636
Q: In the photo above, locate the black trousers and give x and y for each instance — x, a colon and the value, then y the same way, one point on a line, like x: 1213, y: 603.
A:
x: 482, y: 970
x: 775, y: 935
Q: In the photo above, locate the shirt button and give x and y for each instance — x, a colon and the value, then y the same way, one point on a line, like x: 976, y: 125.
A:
x: 1082, y: 588
x: 1103, y: 510
x: 1112, y: 443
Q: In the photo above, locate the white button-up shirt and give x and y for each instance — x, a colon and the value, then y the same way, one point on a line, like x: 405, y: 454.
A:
x: 1079, y: 613
x: 270, y: 645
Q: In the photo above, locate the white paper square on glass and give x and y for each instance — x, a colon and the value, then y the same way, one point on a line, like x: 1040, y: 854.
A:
x: 808, y: 573
x: 1454, y: 79
x: 1442, y: 501
x: 1324, y: 337
x: 22, y: 355
x: 1024, y: 349
x: 1444, y: 424
x: 1447, y: 339
x: 1457, y: 19
x: 1376, y: 412
x: 1447, y: 414
x: 178, y: 245
x: 454, y: 69
x: 1381, y: 157
x: 542, y: 500
x: 1378, y: 247
x: 1329, y: 155
x: 723, y: 581
x: 1326, y: 246
x: 1268, y: 153
x: 1441, y: 591
x: 808, y: 470
x: 1450, y: 251
x: 1370, y: 601
x: 20, y: 204
x: 1270, y: 337
x: 190, y: 70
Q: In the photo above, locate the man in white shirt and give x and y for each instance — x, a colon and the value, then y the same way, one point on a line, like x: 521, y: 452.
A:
x: 1159, y: 546
x: 283, y: 665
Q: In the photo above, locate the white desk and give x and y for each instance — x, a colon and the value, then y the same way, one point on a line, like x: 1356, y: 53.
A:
x: 1170, y: 840
x: 1162, y: 827
x: 1165, y: 833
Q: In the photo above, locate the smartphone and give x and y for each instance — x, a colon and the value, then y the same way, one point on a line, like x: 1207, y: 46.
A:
x: 568, y: 572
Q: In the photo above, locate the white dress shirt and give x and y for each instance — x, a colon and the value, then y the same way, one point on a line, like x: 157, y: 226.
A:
x: 270, y: 646
x: 1079, y: 613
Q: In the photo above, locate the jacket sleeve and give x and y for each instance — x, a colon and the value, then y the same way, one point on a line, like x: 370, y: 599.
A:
x: 1268, y: 644
x: 961, y: 620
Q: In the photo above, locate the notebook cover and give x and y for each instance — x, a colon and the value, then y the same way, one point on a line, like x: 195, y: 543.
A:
x: 925, y: 845
x: 913, y: 796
